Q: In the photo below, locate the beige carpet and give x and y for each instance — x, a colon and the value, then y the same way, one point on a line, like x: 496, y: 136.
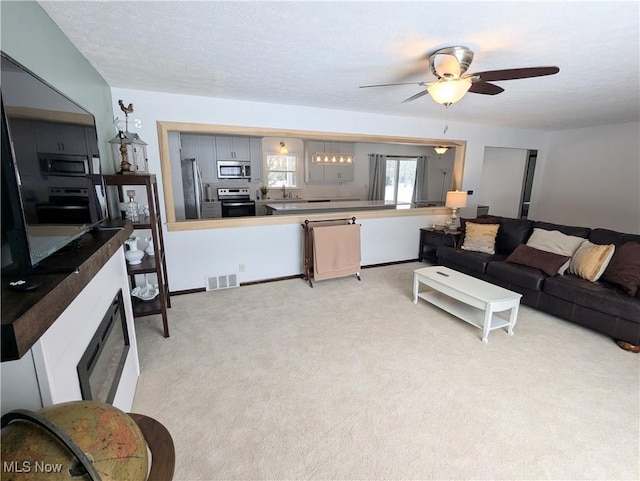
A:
x: 351, y: 380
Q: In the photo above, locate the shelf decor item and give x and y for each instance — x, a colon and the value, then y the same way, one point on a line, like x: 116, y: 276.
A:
x: 133, y: 213
x: 149, y: 249
x: 133, y: 255
x: 128, y: 149
x: 146, y: 293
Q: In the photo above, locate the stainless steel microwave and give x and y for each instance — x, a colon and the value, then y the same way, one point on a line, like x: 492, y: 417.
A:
x: 234, y: 169
x: 64, y: 165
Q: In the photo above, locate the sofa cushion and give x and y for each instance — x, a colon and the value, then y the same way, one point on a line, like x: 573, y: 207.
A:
x: 512, y: 233
x: 590, y: 260
x: 606, y: 236
x: 516, y: 274
x: 547, y: 262
x: 599, y: 296
x: 565, y: 229
x: 473, y: 261
x: 556, y: 242
x: 480, y: 237
x: 624, y: 268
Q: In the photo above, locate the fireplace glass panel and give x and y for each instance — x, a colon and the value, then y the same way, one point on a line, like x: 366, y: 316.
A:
x: 102, y: 363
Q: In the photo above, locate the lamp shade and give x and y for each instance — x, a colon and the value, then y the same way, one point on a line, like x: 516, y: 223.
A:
x: 456, y: 199
x: 447, y: 92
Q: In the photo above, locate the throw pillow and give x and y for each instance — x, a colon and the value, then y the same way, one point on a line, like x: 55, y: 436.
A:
x: 547, y: 262
x: 590, y: 260
x: 624, y: 268
x: 479, y: 220
x: 556, y: 242
x: 480, y: 237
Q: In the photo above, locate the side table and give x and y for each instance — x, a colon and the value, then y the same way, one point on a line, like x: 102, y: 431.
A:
x: 431, y: 239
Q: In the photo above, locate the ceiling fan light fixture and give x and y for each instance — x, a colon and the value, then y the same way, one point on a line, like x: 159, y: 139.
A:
x: 441, y: 150
x: 447, y: 92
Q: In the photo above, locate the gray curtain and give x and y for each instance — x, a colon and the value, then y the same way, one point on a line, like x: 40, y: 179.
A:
x: 377, y: 176
x: 420, y: 187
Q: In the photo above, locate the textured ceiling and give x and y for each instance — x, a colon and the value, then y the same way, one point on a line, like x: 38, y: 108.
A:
x: 318, y: 54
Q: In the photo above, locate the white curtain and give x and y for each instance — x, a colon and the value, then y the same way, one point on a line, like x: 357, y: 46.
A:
x: 422, y: 177
x: 377, y: 176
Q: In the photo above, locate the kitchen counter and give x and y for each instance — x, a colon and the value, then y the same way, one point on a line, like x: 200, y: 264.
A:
x: 277, y: 200
x: 282, y: 208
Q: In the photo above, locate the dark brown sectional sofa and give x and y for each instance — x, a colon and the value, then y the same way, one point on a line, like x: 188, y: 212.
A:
x: 602, y: 306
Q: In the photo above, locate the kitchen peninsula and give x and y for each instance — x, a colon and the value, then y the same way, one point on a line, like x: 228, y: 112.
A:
x: 282, y: 208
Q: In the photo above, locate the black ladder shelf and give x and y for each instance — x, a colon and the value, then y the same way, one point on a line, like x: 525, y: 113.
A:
x: 155, y: 264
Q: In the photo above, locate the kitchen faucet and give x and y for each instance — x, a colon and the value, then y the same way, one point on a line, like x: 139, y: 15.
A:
x: 284, y: 192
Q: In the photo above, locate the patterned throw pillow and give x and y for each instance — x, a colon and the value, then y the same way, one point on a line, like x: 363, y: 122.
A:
x: 479, y: 220
x: 480, y: 237
x: 591, y: 260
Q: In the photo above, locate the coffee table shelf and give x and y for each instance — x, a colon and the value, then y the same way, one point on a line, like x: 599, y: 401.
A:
x: 472, y: 315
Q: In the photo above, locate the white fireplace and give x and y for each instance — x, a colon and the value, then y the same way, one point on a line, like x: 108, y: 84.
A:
x: 48, y: 373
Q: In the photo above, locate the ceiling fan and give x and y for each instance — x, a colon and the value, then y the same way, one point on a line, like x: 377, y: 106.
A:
x: 449, y: 65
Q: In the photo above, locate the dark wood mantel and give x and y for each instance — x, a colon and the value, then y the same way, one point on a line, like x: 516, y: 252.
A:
x: 27, y: 315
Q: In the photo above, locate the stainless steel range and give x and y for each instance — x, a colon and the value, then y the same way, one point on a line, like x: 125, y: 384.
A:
x: 236, y: 202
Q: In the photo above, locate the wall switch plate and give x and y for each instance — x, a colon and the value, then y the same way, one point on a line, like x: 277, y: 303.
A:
x: 469, y: 192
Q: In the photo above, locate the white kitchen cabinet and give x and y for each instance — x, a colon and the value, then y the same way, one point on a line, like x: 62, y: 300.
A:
x: 233, y: 148
x: 53, y: 137
x: 338, y: 173
x: 201, y: 148
x: 257, y: 158
x: 328, y: 172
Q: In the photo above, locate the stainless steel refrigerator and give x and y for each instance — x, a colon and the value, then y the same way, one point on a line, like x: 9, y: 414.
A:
x: 192, y: 188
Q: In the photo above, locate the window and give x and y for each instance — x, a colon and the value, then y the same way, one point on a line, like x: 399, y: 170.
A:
x: 400, y: 179
x: 282, y: 170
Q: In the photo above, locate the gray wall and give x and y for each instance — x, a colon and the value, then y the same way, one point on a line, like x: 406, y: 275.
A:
x: 31, y: 38
x: 591, y: 177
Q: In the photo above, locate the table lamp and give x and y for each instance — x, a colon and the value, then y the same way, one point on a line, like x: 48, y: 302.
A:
x: 455, y: 199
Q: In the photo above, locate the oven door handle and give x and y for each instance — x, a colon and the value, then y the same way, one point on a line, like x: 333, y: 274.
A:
x: 236, y: 204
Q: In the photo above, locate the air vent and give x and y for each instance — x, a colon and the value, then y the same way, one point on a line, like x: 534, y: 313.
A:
x: 224, y: 281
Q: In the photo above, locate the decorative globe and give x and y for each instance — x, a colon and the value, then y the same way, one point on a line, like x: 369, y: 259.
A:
x: 110, y: 438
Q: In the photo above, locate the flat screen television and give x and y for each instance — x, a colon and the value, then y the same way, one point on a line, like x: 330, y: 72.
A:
x: 52, y: 188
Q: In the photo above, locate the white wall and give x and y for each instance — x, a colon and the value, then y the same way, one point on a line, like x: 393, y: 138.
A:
x: 275, y: 251
x: 502, y: 180
x: 590, y: 177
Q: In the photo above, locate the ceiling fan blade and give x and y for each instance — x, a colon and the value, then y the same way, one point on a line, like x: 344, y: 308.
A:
x: 485, y: 88
x: 416, y: 96
x: 388, y: 85
x: 514, y: 73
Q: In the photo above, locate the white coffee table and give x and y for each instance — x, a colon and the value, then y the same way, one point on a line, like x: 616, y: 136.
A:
x: 467, y: 298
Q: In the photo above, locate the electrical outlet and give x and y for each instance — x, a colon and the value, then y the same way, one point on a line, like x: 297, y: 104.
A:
x: 469, y: 192
x: 240, y: 267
